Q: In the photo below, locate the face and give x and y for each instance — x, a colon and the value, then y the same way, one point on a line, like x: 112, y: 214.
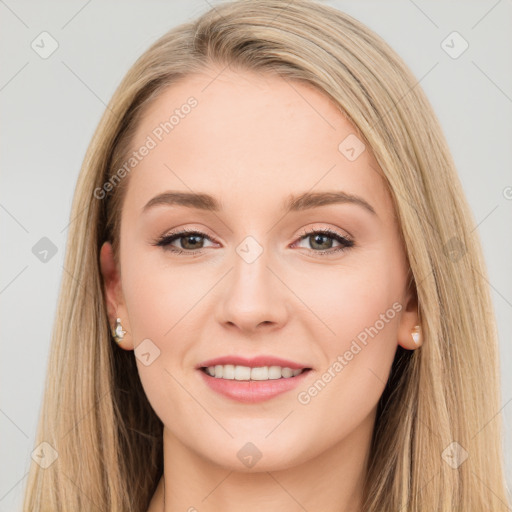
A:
x: 317, y: 283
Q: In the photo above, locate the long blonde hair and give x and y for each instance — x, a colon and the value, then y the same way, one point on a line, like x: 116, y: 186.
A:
x: 95, y: 413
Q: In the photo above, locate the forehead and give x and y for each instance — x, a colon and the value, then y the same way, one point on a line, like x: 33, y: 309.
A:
x: 246, y: 136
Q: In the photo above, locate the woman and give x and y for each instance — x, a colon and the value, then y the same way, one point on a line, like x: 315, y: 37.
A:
x: 275, y: 298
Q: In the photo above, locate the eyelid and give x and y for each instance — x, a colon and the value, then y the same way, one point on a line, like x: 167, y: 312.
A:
x: 305, y: 232
x: 328, y: 231
x: 186, y: 231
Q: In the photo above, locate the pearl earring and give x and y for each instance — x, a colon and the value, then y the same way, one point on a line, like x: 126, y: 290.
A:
x: 416, y: 334
x: 117, y: 331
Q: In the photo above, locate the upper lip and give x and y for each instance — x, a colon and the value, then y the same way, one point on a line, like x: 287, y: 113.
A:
x: 253, y: 362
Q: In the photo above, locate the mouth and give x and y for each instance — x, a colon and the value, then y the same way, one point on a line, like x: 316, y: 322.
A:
x: 248, y: 373
x: 252, y: 384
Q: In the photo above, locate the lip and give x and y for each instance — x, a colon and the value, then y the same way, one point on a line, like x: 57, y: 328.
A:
x: 254, y: 362
x: 252, y: 391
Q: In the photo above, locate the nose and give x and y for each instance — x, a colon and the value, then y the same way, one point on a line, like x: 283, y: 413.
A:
x: 253, y: 296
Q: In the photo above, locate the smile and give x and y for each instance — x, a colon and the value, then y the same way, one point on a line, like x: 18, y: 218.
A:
x: 238, y: 382
x: 238, y: 372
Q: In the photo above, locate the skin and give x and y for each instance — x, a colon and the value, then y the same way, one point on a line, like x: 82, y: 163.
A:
x: 251, y: 142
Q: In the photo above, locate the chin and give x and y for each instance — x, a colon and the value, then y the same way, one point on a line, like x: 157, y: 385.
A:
x: 254, y: 453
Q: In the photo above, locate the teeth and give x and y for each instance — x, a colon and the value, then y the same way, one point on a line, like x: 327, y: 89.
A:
x: 232, y: 372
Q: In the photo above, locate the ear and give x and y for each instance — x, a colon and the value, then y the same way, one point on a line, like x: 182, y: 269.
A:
x: 409, y: 320
x: 113, y: 293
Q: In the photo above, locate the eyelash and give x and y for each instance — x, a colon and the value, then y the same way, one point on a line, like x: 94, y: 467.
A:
x: 166, y: 240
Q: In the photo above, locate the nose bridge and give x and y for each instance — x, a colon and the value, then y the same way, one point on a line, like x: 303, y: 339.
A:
x: 251, y: 265
x: 254, y: 295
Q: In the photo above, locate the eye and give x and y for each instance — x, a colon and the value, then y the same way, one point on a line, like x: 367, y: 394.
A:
x: 189, y: 240
x: 323, y: 240
x: 192, y: 242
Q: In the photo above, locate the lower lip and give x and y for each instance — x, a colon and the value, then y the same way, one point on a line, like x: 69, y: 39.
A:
x: 252, y: 391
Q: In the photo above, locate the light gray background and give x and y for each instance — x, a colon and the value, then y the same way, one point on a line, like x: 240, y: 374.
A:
x: 50, y: 108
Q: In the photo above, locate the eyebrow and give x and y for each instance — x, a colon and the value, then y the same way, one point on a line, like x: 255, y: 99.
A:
x: 294, y: 203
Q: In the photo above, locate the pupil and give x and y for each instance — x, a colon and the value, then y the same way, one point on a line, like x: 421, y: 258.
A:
x: 319, y: 237
x: 190, y: 240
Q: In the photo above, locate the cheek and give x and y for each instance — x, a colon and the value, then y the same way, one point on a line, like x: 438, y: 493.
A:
x: 362, y: 311
x: 357, y: 312
x: 160, y: 302
x: 348, y: 299
x: 160, y: 297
